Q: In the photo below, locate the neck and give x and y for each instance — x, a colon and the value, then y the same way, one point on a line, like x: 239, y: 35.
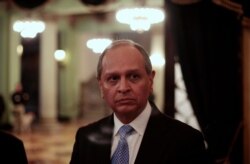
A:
x: 128, y: 117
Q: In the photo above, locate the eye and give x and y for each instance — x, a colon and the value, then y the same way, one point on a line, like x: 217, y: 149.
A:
x: 112, y: 79
x: 134, y: 77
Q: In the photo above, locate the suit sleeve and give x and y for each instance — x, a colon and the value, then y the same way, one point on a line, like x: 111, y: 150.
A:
x: 194, y: 150
x: 75, y: 153
x: 20, y: 153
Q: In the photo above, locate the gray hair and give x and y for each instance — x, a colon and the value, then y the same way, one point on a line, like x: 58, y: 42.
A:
x: 144, y: 53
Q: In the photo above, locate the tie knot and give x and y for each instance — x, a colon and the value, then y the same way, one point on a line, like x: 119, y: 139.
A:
x: 125, y: 131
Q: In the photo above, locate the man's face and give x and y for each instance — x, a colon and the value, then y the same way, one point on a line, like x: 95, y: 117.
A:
x: 124, y: 82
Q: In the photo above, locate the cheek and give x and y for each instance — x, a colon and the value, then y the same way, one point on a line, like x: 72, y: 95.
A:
x: 104, y: 90
x: 143, y: 91
x: 108, y: 93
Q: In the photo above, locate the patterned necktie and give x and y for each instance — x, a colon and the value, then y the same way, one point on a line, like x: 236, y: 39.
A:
x: 121, y: 154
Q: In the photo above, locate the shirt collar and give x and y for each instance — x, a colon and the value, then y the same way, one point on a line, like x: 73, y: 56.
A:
x: 139, y: 123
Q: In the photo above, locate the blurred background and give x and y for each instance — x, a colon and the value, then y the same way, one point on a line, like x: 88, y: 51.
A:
x: 49, y: 50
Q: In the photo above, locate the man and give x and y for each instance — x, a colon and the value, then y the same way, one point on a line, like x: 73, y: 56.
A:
x: 2, y: 111
x: 19, y: 99
x: 125, y: 77
x: 11, y: 149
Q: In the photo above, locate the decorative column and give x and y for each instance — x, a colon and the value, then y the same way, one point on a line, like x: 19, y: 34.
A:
x: 158, y: 62
x: 48, y: 73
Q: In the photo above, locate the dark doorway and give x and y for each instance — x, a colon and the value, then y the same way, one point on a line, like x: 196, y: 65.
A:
x: 30, y: 72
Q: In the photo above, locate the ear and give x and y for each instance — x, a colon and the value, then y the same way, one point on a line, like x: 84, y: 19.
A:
x: 100, y: 88
x: 151, y: 78
x: 152, y: 75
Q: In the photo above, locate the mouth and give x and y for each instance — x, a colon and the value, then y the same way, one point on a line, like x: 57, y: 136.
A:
x: 125, y: 101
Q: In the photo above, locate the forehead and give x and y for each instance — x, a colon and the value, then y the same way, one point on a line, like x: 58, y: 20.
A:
x: 123, y: 55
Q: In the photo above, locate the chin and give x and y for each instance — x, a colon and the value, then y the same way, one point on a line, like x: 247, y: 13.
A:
x: 126, y: 109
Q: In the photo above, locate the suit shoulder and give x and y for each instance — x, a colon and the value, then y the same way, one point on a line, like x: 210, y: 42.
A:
x: 5, y: 136
x: 8, y: 140
x: 98, y: 132
x: 170, y: 123
x: 179, y: 127
x: 103, y: 125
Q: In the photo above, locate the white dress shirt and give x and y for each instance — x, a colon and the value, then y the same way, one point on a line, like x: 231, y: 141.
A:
x: 134, y: 140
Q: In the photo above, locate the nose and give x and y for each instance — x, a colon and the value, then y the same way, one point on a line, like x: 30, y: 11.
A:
x: 123, y: 86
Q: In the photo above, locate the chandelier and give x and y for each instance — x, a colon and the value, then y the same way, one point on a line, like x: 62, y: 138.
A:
x: 140, y: 19
x: 29, y: 28
x: 98, y: 44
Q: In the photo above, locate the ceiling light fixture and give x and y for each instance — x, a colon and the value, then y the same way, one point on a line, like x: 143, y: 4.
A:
x: 98, y: 44
x: 140, y: 19
x: 60, y: 55
x: 29, y: 28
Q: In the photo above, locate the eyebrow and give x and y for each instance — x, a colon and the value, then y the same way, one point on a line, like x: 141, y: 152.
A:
x: 128, y: 71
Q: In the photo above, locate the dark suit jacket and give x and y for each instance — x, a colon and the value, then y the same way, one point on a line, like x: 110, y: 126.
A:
x: 11, y: 149
x: 165, y: 141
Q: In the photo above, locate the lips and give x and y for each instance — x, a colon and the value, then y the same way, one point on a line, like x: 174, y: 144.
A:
x: 125, y: 101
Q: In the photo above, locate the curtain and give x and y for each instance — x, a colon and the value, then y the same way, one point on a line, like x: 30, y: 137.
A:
x: 206, y: 42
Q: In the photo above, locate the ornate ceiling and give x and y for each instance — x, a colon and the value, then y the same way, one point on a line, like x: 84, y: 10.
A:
x: 77, y: 7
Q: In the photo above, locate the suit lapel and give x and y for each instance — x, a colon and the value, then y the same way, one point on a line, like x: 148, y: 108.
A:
x: 153, y: 140
x: 101, y: 152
